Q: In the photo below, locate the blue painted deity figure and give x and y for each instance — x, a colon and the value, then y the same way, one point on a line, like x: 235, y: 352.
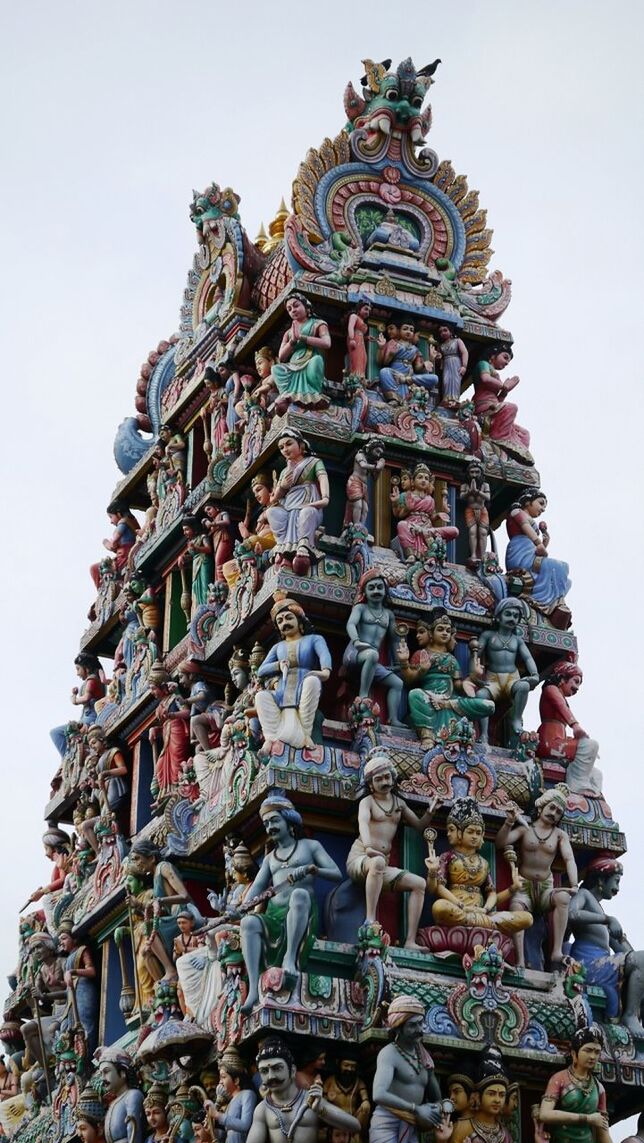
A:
x: 402, y: 365
x: 301, y: 662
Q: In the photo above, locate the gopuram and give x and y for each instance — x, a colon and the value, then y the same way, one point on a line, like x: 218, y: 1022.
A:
x: 311, y: 872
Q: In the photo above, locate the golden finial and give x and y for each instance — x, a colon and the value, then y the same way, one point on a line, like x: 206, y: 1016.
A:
x: 276, y: 227
x: 262, y: 238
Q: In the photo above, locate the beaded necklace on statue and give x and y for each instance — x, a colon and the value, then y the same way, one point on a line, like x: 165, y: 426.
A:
x: 494, y: 1134
x: 285, y: 860
x: 538, y: 836
x: 394, y: 806
x: 583, y: 1084
x: 380, y: 620
x: 414, y: 1059
x: 280, y: 1109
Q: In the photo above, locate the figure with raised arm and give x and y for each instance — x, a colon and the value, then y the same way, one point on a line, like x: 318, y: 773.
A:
x: 461, y: 881
x: 283, y: 935
x: 601, y: 946
x: 298, y: 500
x: 579, y: 752
x: 299, y: 373
x: 371, y: 627
x: 288, y: 1112
x: 490, y: 404
x: 440, y: 695
x: 370, y: 458
x: 379, y: 815
x: 405, y: 1088
x: 539, y: 845
x: 301, y: 662
x: 122, y: 539
x: 501, y: 651
x: 235, y: 1121
x: 527, y: 551
x: 573, y: 1108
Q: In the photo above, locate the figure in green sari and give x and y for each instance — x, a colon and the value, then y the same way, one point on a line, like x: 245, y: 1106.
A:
x: 299, y: 374
x: 433, y: 703
x: 573, y: 1108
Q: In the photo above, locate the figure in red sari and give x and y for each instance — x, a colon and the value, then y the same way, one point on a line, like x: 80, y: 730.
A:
x: 172, y: 731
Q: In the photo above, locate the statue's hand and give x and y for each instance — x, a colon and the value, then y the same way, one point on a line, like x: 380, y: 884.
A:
x: 597, y: 1119
x: 429, y: 1114
x: 432, y: 865
x: 511, y: 814
x: 615, y: 929
x: 299, y: 873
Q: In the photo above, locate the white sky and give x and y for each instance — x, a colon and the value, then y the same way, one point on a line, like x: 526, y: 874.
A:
x: 111, y: 113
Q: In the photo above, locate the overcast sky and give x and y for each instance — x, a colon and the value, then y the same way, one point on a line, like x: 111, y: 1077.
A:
x: 113, y: 112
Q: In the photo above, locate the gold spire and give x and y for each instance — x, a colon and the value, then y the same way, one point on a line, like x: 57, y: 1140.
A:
x: 262, y: 238
x: 276, y: 228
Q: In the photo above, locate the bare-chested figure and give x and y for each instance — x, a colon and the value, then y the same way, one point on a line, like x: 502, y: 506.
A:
x: 405, y: 1089
x: 379, y: 816
x: 501, y: 651
x: 290, y: 1112
x: 539, y: 845
x: 370, y: 627
x: 601, y: 946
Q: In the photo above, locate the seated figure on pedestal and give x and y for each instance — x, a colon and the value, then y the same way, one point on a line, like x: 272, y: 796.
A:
x: 419, y: 521
x: 379, y: 816
x: 527, y: 551
x: 283, y: 935
x: 601, y: 946
x: 436, y: 673
x: 402, y: 366
x: 461, y: 880
x: 578, y: 753
x: 301, y: 662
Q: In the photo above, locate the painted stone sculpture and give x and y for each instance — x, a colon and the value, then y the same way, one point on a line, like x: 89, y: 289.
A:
x: 601, y: 946
x: 485, y: 1122
x: 405, y: 1088
x: 370, y: 458
x: 490, y: 404
x: 539, y: 845
x: 501, y: 651
x: 454, y: 359
x: 475, y: 492
x: 419, y: 522
x: 435, y: 671
x: 402, y: 365
x: 461, y: 880
x: 573, y: 1107
x: 124, y: 1116
x: 380, y: 814
x: 346, y: 1090
x: 577, y: 754
x: 527, y: 551
x: 297, y: 501
x: 301, y: 662
x: 357, y: 337
x: 299, y: 373
x: 287, y: 1111
x: 371, y: 627
x: 171, y: 733
x: 284, y: 934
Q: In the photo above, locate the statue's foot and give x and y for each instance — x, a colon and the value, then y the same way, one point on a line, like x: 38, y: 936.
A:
x: 308, y: 743
x: 634, y: 1026
x: 265, y: 750
x: 289, y: 978
x: 170, y: 976
x: 249, y: 1003
x: 413, y: 945
x: 398, y: 722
